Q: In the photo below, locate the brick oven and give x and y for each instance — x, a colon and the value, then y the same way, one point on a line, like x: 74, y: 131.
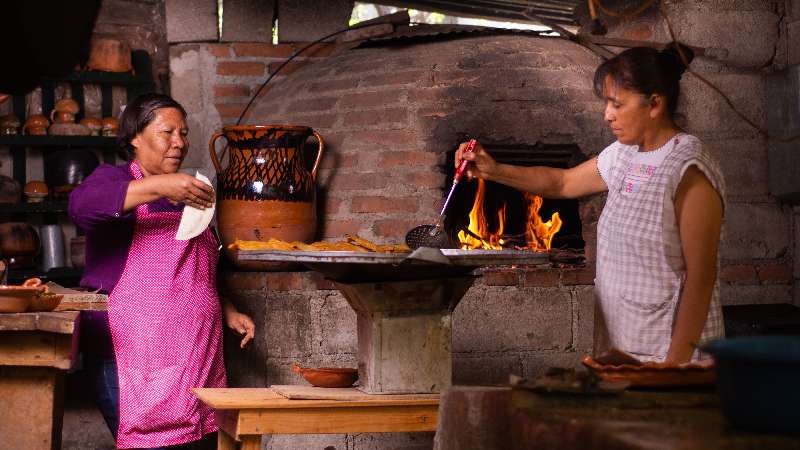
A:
x: 392, y: 113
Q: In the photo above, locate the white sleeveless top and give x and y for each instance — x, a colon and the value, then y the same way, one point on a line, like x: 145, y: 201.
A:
x: 640, y: 264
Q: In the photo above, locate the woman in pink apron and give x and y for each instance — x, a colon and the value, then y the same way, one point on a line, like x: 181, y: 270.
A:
x: 164, y: 312
x: 658, y: 235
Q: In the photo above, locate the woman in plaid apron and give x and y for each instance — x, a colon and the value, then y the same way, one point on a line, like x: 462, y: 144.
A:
x: 659, y: 231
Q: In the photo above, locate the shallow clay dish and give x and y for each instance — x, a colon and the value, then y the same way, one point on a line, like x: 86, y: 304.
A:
x: 16, y: 299
x: 328, y: 377
x: 45, y: 301
x: 654, y: 375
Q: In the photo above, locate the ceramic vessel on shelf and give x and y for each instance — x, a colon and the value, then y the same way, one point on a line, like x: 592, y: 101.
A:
x: 16, y: 299
x: 36, y: 191
x: 266, y: 191
x: 9, y: 124
x: 328, y: 377
x: 19, y: 243
x: 93, y: 124
x: 77, y: 251
x: 110, y: 126
x: 65, y: 111
x: 109, y: 55
x: 36, y: 125
x: 10, y: 191
x: 65, y: 169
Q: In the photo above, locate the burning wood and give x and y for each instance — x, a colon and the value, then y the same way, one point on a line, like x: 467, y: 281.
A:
x: 478, y: 235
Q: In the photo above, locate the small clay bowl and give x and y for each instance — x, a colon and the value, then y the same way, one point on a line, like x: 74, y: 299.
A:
x: 328, y: 377
x: 45, y: 301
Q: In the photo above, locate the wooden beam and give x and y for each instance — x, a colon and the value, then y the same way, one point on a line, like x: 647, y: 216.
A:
x: 353, y: 419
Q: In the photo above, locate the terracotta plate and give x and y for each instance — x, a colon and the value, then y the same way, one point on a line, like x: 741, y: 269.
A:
x: 654, y: 375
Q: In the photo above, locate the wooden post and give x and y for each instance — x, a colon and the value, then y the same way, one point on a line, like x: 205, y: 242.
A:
x: 31, y: 405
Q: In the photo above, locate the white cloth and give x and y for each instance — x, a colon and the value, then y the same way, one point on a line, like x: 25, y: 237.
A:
x: 640, y: 265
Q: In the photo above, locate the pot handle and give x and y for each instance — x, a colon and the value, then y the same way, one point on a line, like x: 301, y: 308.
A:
x: 297, y: 369
x: 319, y: 154
x: 213, y: 151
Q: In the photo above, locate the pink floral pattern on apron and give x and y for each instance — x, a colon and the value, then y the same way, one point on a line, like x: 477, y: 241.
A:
x: 166, y: 325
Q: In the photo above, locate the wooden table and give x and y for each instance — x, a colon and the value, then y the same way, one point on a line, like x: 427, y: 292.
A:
x: 35, y: 351
x: 245, y: 414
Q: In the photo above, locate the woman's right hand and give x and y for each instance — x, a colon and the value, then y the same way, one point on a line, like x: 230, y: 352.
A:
x: 481, y: 165
x: 180, y: 187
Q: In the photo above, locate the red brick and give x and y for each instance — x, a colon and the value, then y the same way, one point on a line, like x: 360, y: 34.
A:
x: 240, y: 68
x: 775, y: 273
x: 390, y: 159
x: 229, y: 110
x: 379, y: 204
x: 349, y: 181
x: 287, y: 281
x: 243, y: 281
x: 263, y: 50
x: 382, y: 138
x: 394, y: 78
x: 541, y: 277
x: 219, y: 50
x: 338, y: 160
x: 289, y: 69
x: 738, y: 274
x: 333, y: 85
x: 376, y: 117
x: 500, y: 278
x: 332, y: 205
x: 314, y: 104
x: 393, y: 228
x: 319, y: 50
x: 231, y: 90
x: 371, y: 99
x: 582, y: 276
x: 335, y: 229
x: 316, y: 121
x: 424, y: 179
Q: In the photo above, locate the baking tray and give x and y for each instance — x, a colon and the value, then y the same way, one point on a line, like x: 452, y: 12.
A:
x: 348, y: 266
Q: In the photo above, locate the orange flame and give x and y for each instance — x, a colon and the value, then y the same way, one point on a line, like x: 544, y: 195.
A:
x: 538, y: 235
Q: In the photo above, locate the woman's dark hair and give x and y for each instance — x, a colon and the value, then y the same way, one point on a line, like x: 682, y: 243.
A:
x: 138, y: 114
x: 646, y: 71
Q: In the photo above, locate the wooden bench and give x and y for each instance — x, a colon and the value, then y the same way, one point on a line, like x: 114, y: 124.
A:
x: 245, y: 414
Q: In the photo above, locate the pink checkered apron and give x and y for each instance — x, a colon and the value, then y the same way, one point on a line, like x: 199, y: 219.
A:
x: 166, y: 325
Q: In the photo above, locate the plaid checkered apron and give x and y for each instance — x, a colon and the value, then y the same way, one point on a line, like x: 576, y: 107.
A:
x: 640, y: 266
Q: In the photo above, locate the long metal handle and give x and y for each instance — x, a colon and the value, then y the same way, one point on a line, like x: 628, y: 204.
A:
x: 457, y: 177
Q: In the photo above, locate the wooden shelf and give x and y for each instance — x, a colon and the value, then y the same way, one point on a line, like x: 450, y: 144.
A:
x: 41, y: 207
x: 18, y: 140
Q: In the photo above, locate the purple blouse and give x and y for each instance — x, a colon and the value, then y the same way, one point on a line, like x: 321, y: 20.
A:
x: 96, y: 207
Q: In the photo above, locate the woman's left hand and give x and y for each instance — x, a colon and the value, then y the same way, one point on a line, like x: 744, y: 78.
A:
x: 242, y: 324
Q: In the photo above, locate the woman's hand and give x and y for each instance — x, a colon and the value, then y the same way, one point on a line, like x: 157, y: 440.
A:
x: 482, y: 165
x: 240, y: 323
x: 180, y: 187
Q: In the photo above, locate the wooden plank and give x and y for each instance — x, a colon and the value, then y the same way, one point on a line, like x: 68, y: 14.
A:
x: 227, y: 420
x: 251, y: 443
x: 29, y: 408
x: 362, y: 418
x: 36, y: 349
x: 265, y: 398
x: 52, y: 322
x: 298, y: 392
x: 225, y: 441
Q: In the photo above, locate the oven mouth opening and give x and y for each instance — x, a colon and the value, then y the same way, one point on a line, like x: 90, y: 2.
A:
x: 506, y: 215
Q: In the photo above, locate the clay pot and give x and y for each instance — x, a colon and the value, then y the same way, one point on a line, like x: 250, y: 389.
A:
x: 110, y: 126
x: 109, y: 55
x: 19, y: 242
x: 9, y: 124
x: 65, y: 169
x: 36, y: 125
x: 266, y: 191
x: 328, y: 377
x: 36, y: 191
x: 94, y: 125
x: 16, y: 299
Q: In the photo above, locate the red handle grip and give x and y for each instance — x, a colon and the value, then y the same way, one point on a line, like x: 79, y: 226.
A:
x: 463, y: 166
